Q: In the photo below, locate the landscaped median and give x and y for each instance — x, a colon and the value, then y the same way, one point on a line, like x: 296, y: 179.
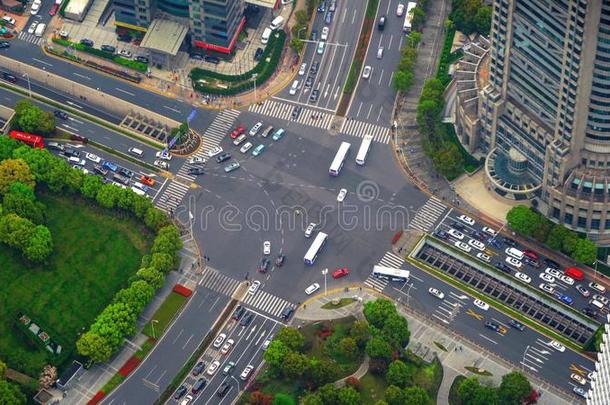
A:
x: 499, y: 305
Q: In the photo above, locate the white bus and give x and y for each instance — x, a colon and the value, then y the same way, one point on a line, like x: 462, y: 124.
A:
x: 317, y: 245
x: 409, y: 17
x: 337, y: 164
x: 391, y: 274
x: 364, y: 150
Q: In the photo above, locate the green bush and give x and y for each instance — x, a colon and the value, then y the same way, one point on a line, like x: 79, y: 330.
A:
x: 132, y: 64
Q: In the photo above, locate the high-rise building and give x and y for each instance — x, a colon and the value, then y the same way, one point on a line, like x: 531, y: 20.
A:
x: 212, y: 24
x: 599, y: 394
x: 543, y: 118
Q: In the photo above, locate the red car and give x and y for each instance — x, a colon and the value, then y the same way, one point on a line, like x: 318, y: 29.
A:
x: 54, y: 9
x: 531, y: 254
x: 237, y: 132
x: 340, y: 273
x: 575, y: 273
x: 147, y: 180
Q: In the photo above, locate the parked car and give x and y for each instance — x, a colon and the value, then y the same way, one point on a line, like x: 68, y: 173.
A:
x: 340, y: 272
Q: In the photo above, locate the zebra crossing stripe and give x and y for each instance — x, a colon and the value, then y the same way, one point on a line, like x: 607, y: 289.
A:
x: 428, y: 214
x: 283, y: 111
x: 359, y: 129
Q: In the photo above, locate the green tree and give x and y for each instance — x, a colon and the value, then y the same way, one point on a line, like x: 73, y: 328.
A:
x: 10, y: 394
x: 399, y: 374
x: 56, y: 177
x: 168, y: 241
x: 296, y: 44
x: 31, y: 118
x: 283, y: 399
x: 155, y: 218
x: 39, y: 245
x: 523, y: 220
x: 376, y: 312
x: 569, y: 243
x: 114, y: 323
x: 486, y: 396
x: 394, y: 395
x: 153, y: 277
x: 94, y: 347
x: 137, y: 295
x: 162, y: 262
x: 556, y: 236
x: 2, y: 370
x: 15, y: 231
x: 513, y: 388
x: 381, y: 402
x: 413, y: 39
x: 323, y: 371
x: 20, y: 200
x: 482, y: 20
x: 291, y: 337
x: 448, y: 160
x: 276, y: 354
x: 468, y: 389
x: 348, y: 396
x: 329, y: 394
x: 396, y: 331
x: 378, y: 348
x: 12, y: 170
x: 360, y: 332
x: 428, y: 116
x: 348, y: 348
x: 141, y: 205
x: 7, y: 146
x: 91, y: 186
x: 107, y: 195
x: 39, y: 161
x: 585, y: 251
x: 311, y: 399
x: 416, y: 396
x: 295, y: 365
x: 419, y: 18
x: 403, y: 80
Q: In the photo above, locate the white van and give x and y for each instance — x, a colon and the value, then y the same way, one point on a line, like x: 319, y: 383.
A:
x: 40, y: 29
x: 138, y: 191
x: 294, y: 88
x: 596, y: 304
x: 266, y: 35
x: 277, y: 23
x: 137, y: 152
x: 516, y: 253
x: 76, y: 161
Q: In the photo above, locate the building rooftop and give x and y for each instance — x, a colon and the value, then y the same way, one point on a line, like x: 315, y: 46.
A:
x: 263, y: 3
x: 164, y: 36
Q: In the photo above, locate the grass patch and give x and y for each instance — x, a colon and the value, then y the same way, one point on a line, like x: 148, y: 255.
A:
x: 478, y: 371
x: 79, y: 280
x: 164, y: 315
x: 372, y: 388
x: 342, y: 303
x: 145, y: 349
x: 454, y: 397
x: 440, y: 346
x: 112, y: 383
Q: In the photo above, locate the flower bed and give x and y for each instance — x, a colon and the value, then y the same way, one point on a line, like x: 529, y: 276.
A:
x: 182, y: 290
x: 96, y: 398
x: 129, y: 366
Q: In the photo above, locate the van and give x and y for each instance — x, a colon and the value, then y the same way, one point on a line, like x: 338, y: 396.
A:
x: 141, y: 186
x: 595, y: 303
x: 266, y: 34
x: 516, y: 253
x: 138, y: 191
x: 136, y: 152
x: 294, y: 88
x: 40, y: 29
x: 277, y: 23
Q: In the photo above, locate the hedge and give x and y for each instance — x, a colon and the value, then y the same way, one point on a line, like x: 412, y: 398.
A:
x: 132, y: 64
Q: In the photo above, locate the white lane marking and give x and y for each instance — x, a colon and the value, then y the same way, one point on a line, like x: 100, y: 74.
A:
x: 81, y: 76
x: 41, y: 61
x: 124, y: 91
x: 485, y: 337
x: 172, y: 109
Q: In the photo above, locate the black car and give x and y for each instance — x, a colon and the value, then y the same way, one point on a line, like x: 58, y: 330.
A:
x: 509, y: 242
x: 381, y: 23
x: 516, y: 325
x: 329, y: 17
x: 71, y: 152
x: 126, y: 172
x: 239, y: 312
x: 309, y: 82
x: 142, y: 59
x: 212, y: 59
x: 86, y: 42
x: 279, y: 262
x: 531, y: 262
x: 108, y: 48
x: 551, y: 263
x: 314, y: 96
x: 590, y: 311
x: 460, y: 227
x: 314, y: 67
x: 504, y: 268
x: 4, y: 44
x: 196, y: 171
x: 199, y: 368
x: 492, y: 325
x: 223, y: 157
x: 441, y: 234
x: 123, y: 38
x: 258, y: 53
x: 196, y: 56
x: 246, y: 320
x: 478, y: 235
x: 322, y: 6
x: 180, y: 392
x: 60, y: 114
x: 314, y: 35
x: 9, y: 77
x: 286, y: 313
x: 264, y: 265
x: 223, y: 389
x: 296, y: 112
x: 199, y: 385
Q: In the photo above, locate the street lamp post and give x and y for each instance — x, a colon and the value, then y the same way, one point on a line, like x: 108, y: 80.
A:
x: 254, y: 75
x: 299, y: 32
x: 152, y: 327
x: 27, y: 76
x: 324, y: 273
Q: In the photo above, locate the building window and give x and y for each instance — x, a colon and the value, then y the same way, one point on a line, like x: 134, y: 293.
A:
x: 568, y: 219
x: 556, y: 212
x: 582, y: 222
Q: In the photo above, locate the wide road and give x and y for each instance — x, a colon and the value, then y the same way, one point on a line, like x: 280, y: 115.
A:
x: 169, y: 355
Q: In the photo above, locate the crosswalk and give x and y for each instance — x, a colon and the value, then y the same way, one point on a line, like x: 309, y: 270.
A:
x: 216, y: 281
x: 217, y: 130
x: 268, y: 303
x: 359, y: 129
x: 390, y: 260
x: 428, y: 214
x: 172, y: 196
x: 281, y: 110
x: 31, y: 38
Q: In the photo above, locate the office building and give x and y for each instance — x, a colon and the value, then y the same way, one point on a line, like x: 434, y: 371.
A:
x: 599, y: 394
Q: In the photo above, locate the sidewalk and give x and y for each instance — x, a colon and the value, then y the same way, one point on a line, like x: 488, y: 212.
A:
x: 426, y: 341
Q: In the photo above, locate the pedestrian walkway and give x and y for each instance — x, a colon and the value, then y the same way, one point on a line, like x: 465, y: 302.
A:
x: 268, y: 303
x: 172, y: 196
x: 31, y: 38
x: 283, y: 111
x: 216, y: 281
x: 390, y: 260
x: 217, y: 130
x: 427, y: 216
x: 360, y: 129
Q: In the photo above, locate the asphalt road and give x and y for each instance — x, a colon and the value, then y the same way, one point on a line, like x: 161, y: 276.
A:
x: 145, y: 384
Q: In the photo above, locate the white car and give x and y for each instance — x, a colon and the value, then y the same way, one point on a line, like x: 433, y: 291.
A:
x: 213, y: 367
x: 93, y: 157
x: 484, y: 257
x: 246, y: 373
x: 239, y: 139
x: 35, y: 7
x: 266, y: 344
x: 341, y: 195
x: 597, y: 287
x: 227, y: 346
x: 254, y: 287
x: 476, y: 244
x: 548, y: 278
x: 578, y: 378
x: 463, y: 246
x: 312, y: 288
x: 161, y: 163
x: 187, y: 400
x: 214, y: 151
x: 557, y: 346
x: 219, y: 340
x: 438, y: 294
x: 267, y: 247
x: 254, y: 130
x: 366, y: 73
x: 456, y: 234
x: 165, y: 156
x: 309, y: 230
x: 466, y: 219
x: 320, y: 49
x: 601, y: 299
x: 196, y: 160
x: 481, y: 304
x: 324, y: 35
x: 32, y: 27
x: 303, y: 69
x: 566, y: 279
x: 246, y: 147
x: 514, y: 262
x: 294, y: 88
x: 489, y: 231
x: 400, y: 10
x: 523, y: 277
x: 546, y: 288
x: 553, y: 272
x: 125, y: 53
